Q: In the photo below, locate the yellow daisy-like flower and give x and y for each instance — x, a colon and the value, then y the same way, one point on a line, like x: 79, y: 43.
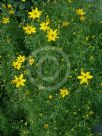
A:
x: 65, y: 24
x: 29, y: 29
x: 44, y: 26
x: 11, y: 12
x: 84, y: 77
x: 31, y: 61
x: 52, y: 35
x: 5, y: 20
x: 64, y: 92
x: 21, y: 59
x: 16, y: 65
x: 19, y: 81
x: 9, y: 6
x: 35, y: 13
x: 80, y: 12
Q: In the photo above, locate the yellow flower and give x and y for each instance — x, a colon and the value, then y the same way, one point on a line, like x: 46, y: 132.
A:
x: 3, y: 6
x: 23, y: 0
x: 84, y: 77
x: 9, y: 6
x: 44, y: 26
x: 21, y: 59
x: 19, y: 81
x: 65, y: 24
x: 31, y: 61
x: 5, y: 20
x: 46, y: 125
x: 11, y: 12
x: 35, y: 13
x: 82, y: 18
x: 29, y: 29
x: 80, y: 12
x: 50, y: 96
x: 16, y: 65
x: 64, y: 92
x: 52, y: 35
x: 70, y: 1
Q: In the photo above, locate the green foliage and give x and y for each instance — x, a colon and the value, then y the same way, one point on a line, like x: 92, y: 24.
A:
x: 30, y: 110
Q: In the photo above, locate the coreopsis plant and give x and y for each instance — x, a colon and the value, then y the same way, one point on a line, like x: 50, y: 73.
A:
x: 84, y: 77
x: 29, y: 29
x: 35, y: 13
x: 51, y: 79
x: 19, y: 81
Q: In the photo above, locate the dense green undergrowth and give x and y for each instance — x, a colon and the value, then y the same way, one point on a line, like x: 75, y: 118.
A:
x: 47, y: 91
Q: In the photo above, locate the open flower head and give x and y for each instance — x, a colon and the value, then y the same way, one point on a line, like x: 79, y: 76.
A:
x: 64, y: 92
x: 52, y: 35
x: 19, y: 81
x: 84, y: 77
x: 80, y: 12
x: 29, y: 29
x: 5, y: 20
x: 35, y: 13
x: 44, y: 26
x: 16, y: 65
x: 21, y: 58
